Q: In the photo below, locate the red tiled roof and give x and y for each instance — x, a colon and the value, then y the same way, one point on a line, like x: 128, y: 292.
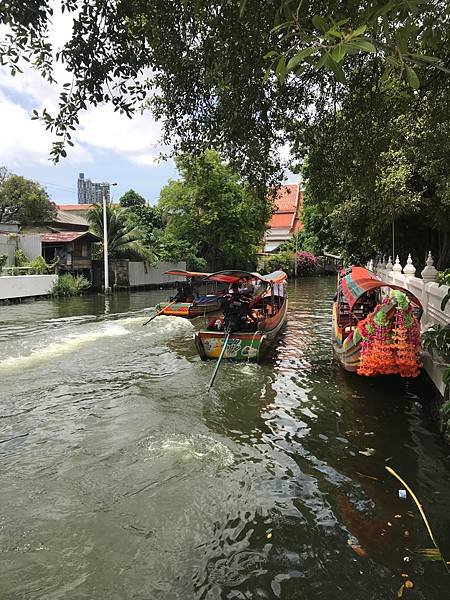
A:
x: 281, y: 220
x: 286, y: 198
x: 74, y: 206
x: 67, y: 236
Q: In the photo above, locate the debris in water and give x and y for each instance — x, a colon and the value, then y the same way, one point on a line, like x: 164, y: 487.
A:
x: 367, y: 451
x: 402, y: 494
x: 409, y: 584
x: 359, y: 550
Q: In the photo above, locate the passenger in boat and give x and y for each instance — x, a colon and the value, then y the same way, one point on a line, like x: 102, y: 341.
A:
x: 236, y: 308
x: 184, y: 293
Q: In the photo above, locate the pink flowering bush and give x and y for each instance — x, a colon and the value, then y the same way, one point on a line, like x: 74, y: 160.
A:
x: 306, y: 263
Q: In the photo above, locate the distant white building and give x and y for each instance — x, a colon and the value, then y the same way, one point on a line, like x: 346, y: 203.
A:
x: 90, y: 192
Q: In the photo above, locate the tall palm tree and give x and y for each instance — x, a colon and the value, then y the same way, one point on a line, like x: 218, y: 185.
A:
x: 124, y: 239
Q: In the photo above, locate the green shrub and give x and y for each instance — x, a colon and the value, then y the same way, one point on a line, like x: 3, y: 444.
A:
x: 68, y: 285
x: 38, y: 266
x: 21, y: 258
x: 3, y: 260
x: 282, y: 260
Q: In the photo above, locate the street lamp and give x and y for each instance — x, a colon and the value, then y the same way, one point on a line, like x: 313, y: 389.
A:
x: 105, y: 240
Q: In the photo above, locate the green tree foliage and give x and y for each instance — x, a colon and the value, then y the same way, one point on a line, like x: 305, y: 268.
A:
x: 24, y: 201
x: 283, y: 260
x: 131, y: 199
x: 374, y: 160
x: 172, y: 249
x: 124, y: 240
x: 201, y: 64
x: 214, y: 212
x: 359, y: 88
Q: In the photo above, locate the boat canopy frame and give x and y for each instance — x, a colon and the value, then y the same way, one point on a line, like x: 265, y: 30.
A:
x: 360, y: 281
x: 232, y: 276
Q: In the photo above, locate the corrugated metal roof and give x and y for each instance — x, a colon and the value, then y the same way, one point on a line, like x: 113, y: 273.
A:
x: 65, y: 207
x: 67, y: 237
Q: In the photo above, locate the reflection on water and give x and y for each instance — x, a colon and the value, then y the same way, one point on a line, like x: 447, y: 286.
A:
x: 122, y: 478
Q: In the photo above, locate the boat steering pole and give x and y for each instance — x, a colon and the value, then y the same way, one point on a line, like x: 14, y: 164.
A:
x: 216, y: 368
x: 159, y: 312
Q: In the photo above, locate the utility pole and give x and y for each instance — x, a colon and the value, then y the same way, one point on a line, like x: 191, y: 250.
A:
x: 105, y: 241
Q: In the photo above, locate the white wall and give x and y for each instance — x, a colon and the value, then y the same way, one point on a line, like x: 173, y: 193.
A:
x: 30, y: 243
x: 26, y: 286
x: 7, y: 247
x: 143, y: 274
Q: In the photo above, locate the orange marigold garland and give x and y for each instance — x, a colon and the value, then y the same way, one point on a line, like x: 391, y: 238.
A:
x: 407, y: 343
x: 390, y: 346
x: 377, y: 355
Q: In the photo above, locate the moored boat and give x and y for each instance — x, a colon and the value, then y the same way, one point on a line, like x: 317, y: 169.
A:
x: 375, y: 326
x: 252, y: 315
x: 187, y: 302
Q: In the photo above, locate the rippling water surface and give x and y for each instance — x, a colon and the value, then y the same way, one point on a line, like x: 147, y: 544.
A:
x: 121, y: 478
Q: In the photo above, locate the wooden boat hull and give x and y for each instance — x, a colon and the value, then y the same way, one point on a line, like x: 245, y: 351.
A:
x: 189, y: 310
x: 346, y: 350
x: 242, y: 345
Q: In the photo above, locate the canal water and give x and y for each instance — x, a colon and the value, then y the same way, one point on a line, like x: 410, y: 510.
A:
x: 122, y: 478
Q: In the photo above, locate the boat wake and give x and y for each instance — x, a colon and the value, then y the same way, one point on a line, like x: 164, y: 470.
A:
x: 70, y: 343
x: 192, y: 447
x: 166, y: 325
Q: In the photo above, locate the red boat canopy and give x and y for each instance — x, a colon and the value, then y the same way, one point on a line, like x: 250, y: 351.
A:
x: 232, y: 276
x: 186, y: 273
x: 360, y: 280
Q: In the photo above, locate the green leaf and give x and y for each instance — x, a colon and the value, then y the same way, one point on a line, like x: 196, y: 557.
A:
x: 334, y: 33
x: 281, y: 69
x: 270, y: 54
x: 297, y: 58
x: 320, y: 63
x: 339, y: 73
x: 363, y: 44
x: 320, y: 23
x: 425, y: 58
x: 412, y: 78
x: 281, y: 26
x: 338, y: 53
x: 359, y: 31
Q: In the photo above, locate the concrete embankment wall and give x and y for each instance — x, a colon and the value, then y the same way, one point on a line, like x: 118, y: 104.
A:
x: 26, y: 286
x: 143, y: 274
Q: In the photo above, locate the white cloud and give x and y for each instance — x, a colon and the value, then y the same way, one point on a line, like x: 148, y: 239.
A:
x: 146, y: 160
x: 24, y: 141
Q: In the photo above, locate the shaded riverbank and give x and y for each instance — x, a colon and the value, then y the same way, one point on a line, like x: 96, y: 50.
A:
x: 122, y: 478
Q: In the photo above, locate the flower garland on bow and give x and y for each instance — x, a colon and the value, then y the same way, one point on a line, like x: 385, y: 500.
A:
x: 390, y: 343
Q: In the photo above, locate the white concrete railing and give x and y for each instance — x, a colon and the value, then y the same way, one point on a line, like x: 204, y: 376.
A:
x: 26, y: 286
x: 430, y: 295
x: 426, y: 289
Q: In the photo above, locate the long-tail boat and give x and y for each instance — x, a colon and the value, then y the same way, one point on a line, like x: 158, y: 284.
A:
x: 375, y: 325
x: 251, y: 318
x: 193, y: 304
